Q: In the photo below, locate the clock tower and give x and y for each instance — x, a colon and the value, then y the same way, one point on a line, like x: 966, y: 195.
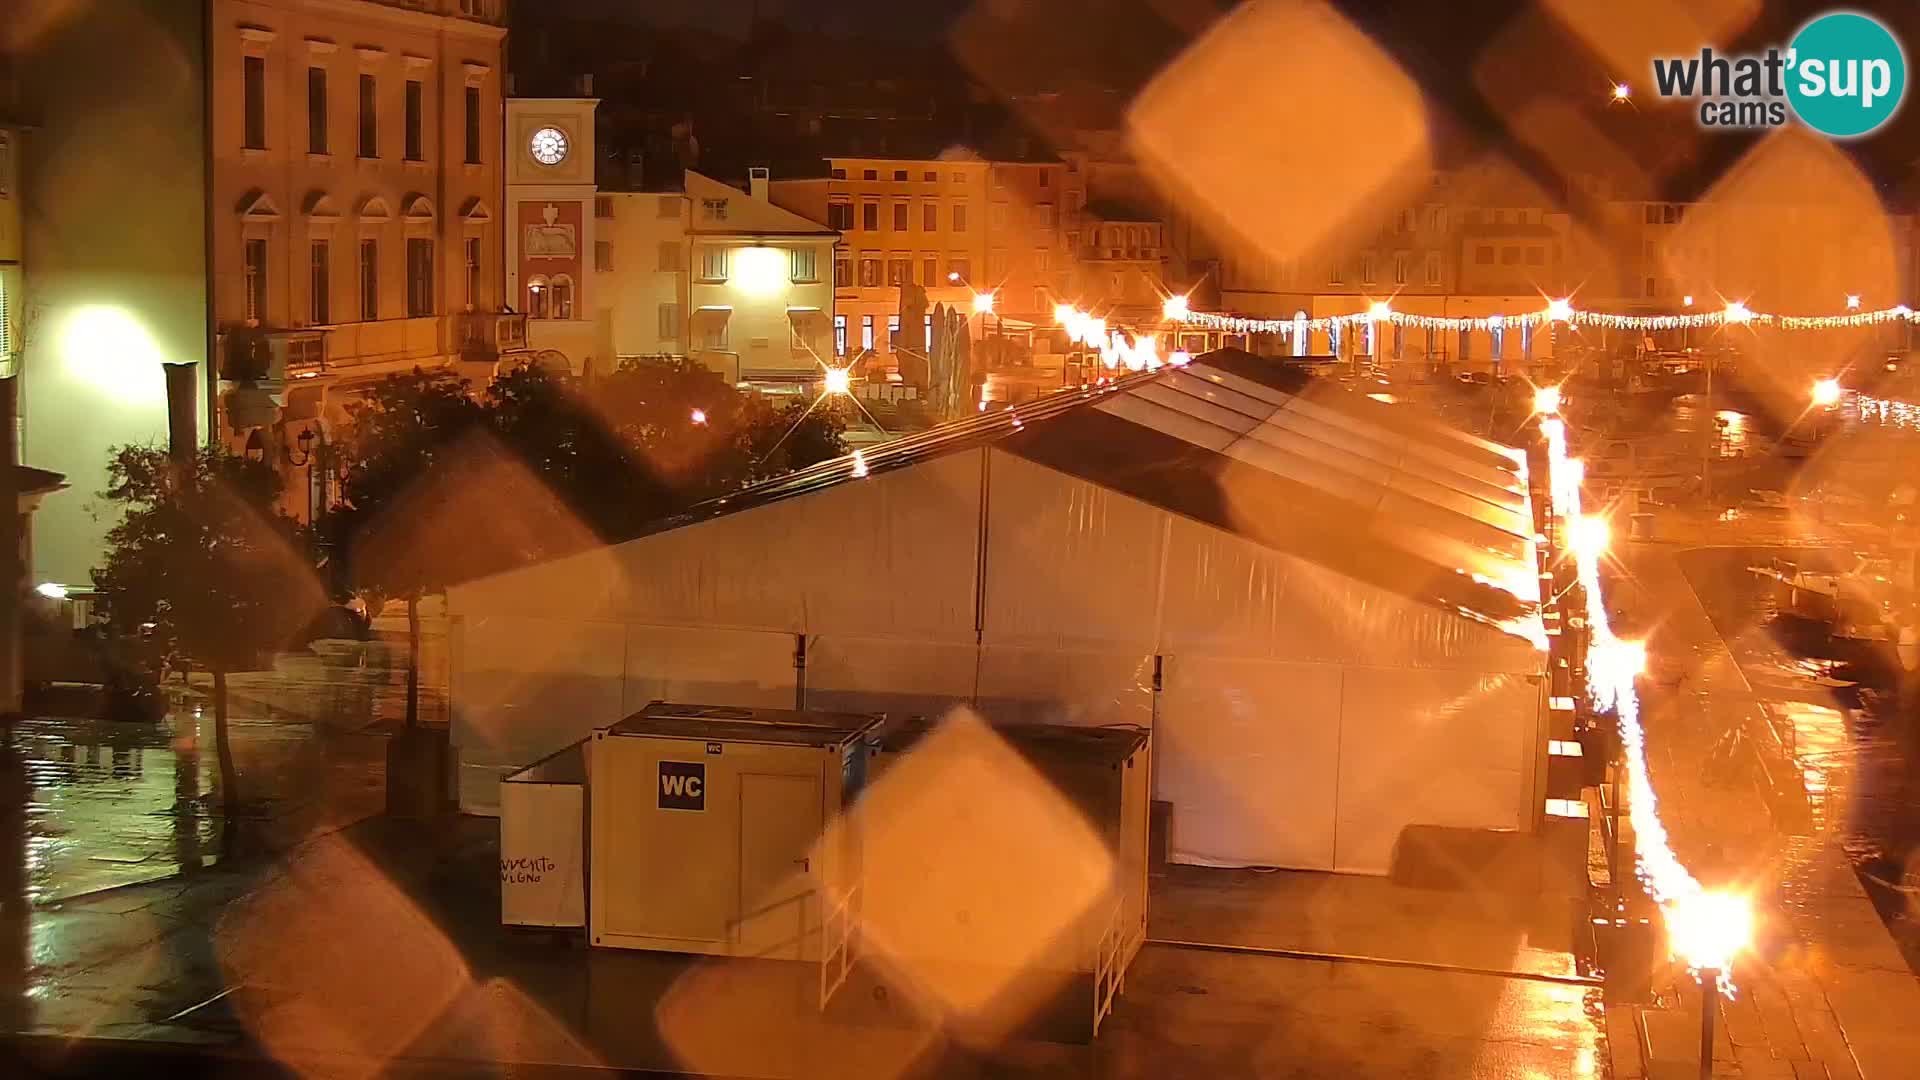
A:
x: 550, y: 225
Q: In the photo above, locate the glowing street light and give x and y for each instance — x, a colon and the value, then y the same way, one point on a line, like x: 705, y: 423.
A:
x: 1738, y: 313
x: 1560, y: 310
x: 1546, y: 400
x: 1379, y: 311
x: 1687, y: 300
x: 1179, y: 358
x: 953, y: 275
x: 1853, y: 301
x: 982, y: 303
x: 52, y: 590
x: 1063, y: 313
x: 1621, y: 92
x: 839, y: 380
x: 1175, y: 308
x: 1826, y: 392
x: 1587, y: 535
x: 699, y: 416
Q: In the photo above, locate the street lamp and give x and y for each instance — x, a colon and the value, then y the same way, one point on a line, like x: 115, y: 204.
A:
x: 1826, y: 392
x: 1853, y: 301
x: 1621, y: 92
x: 313, y: 451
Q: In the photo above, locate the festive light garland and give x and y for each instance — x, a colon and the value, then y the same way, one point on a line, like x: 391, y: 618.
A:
x: 1706, y: 928
x: 1556, y: 311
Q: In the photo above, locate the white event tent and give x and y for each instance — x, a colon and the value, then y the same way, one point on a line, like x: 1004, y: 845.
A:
x: 1324, y: 607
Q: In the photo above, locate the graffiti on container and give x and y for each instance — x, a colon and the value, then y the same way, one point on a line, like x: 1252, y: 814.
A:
x: 525, y: 870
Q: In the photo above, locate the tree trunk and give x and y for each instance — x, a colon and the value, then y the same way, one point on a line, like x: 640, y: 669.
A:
x: 229, y: 775
x: 413, y: 661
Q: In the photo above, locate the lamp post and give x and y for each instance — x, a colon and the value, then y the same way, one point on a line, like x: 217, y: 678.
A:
x: 316, y: 457
x: 1709, y: 1004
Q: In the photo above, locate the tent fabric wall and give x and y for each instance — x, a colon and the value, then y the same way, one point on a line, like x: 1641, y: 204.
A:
x: 1310, y: 707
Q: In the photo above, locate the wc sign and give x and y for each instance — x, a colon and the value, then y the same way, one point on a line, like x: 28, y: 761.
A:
x: 683, y: 785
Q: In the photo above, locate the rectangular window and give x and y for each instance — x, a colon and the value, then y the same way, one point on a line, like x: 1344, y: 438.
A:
x: 419, y: 277
x: 930, y: 216
x: 254, y: 271
x: 899, y: 271
x: 959, y: 269
x: 999, y: 176
x: 929, y: 270
x: 1366, y: 269
x: 1509, y: 256
x: 473, y: 273
x: 840, y: 335
x: 870, y: 216
x: 840, y: 216
x: 670, y: 256
x: 255, y: 68
x: 869, y: 272
x: 842, y: 273
x: 668, y: 207
x: 930, y: 176
x: 668, y: 326
x: 959, y: 217
x: 713, y: 209
x: 1042, y: 258
x: 803, y: 264
x: 839, y: 174
x: 369, y: 280
x: 999, y: 215
x: 926, y: 331
x: 899, y: 174
x: 321, y: 312
x: 1046, y: 178
x: 1400, y: 261
x: 603, y: 256
x: 1333, y: 275
x: 473, y: 125
x: 715, y: 336
x: 1483, y: 255
x: 866, y: 333
x: 369, y: 118
x: 1433, y: 268
x: 870, y: 174
x: 900, y: 216
x: 603, y: 207
x: 414, y: 107
x: 713, y: 264
x: 316, y: 110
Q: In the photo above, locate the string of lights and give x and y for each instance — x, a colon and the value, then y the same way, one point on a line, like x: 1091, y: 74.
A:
x: 1706, y: 928
x: 1735, y: 313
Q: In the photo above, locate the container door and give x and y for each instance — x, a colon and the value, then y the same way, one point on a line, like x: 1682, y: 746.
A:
x: 779, y: 821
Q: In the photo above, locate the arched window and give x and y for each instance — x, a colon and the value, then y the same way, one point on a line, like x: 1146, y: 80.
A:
x: 537, y: 298
x: 561, y: 301
x: 1299, y: 333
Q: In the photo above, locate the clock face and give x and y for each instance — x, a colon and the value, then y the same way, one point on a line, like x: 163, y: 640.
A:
x: 548, y: 146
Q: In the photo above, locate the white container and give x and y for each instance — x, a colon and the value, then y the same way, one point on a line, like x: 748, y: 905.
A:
x: 706, y: 831
x: 543, y: 842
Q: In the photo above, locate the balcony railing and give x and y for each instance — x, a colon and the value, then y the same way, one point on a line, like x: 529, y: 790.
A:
x: 486, y: 11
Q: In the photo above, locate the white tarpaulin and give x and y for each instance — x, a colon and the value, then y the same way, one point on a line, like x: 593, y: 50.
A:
x: 1324, y: 604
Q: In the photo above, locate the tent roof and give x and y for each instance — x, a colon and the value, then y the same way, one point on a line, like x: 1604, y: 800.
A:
x: 1262, y: 450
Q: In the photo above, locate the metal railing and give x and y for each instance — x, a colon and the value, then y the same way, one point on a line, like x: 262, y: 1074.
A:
x: 1109, y: 966
x: 837, y: 932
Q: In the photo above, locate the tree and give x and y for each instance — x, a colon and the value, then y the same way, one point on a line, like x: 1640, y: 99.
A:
x: 205, y: 567
x: 403, y: 428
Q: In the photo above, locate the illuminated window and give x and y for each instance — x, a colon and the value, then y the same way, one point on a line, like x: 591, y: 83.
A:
x: 560, y: 302
x: 840, y: 335
x: 1299, y: 333
x: 866, y: 333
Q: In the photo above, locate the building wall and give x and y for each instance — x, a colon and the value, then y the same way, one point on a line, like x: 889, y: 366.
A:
x: 111, y: 193
x: 765, y: 319
x: 331, y: 193
x: 647, y: 235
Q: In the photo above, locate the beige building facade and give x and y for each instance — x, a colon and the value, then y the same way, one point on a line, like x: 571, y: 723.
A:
x: 355, y: 229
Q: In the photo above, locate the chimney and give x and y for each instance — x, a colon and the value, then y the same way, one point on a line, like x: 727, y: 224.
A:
x: 586, y: 85
x: 757, y: 182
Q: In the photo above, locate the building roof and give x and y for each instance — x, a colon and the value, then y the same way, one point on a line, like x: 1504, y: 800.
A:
x: 719, y: 723
x: 1260, y: 449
